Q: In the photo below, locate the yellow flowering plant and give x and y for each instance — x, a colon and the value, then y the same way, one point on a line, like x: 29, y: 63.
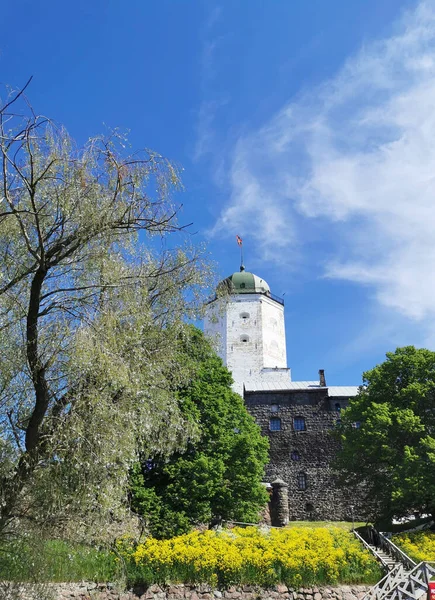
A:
x: 420, y: 545
x: 294, y: 556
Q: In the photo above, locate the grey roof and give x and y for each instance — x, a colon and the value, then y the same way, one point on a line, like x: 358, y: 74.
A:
x: 343, y: 390
x: 303, y: 385
x: 261, y: 385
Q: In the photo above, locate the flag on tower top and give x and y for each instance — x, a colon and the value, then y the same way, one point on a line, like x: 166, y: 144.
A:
x: 239, y: 240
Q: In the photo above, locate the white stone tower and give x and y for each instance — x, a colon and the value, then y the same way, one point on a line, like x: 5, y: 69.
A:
x: 246, y: 323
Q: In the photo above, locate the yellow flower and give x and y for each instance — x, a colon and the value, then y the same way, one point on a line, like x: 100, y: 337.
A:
x: 293, y: 556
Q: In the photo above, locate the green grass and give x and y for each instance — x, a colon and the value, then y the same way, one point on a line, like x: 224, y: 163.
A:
x: 56, y: 561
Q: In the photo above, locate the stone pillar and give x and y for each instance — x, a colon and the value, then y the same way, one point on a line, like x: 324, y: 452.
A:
x: 279, y: 503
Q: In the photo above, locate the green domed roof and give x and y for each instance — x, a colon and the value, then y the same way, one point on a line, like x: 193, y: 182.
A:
x: 243, y: 282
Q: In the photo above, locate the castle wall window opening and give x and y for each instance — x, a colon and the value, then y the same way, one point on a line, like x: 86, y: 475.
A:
x: 274, y: 408
x: 295, y: 455
x: 302, y: 481
x: 275, y: 424
x: 299, y: 424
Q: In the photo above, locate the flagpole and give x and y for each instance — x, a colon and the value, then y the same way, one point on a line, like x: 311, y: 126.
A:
x: 240, y: 244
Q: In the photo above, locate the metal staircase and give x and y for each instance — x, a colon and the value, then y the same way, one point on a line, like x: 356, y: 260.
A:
x: 404, y: 579
x: 399, y: 584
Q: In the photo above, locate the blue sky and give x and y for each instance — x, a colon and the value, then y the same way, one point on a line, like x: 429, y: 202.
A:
x: 308, y: 128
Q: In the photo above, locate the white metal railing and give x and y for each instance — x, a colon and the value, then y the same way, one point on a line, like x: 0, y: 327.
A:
x: 386, y: 584
x: 400, y: 585
x: 394, y: 551
x: 366, y: 545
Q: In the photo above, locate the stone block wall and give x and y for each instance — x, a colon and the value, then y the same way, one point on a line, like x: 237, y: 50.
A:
x: 316, y: 447
x: 93, y: 591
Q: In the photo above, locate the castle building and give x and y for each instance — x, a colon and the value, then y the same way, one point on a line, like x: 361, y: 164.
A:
x: 246, y: 323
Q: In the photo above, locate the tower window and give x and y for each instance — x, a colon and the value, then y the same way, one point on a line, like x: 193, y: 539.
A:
x: 299, y: 424
x: 338, y: 407
x: 302, y: 481
x: 244, y: 315
x: 275, y: 424
x: 295, y: 455
x: 242, y: 285
x: 244, y: 338
x: 274, y: 408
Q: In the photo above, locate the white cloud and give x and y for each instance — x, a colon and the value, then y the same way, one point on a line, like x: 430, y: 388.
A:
x: 206, y: 114
x: 356, y: 154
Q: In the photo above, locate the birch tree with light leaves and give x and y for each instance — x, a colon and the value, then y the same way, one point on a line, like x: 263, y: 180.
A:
x: 93, y: 301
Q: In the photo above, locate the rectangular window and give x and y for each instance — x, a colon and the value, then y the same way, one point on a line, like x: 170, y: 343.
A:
x: 275, y: 424
x: 302, y: 481
x: 299, y: 424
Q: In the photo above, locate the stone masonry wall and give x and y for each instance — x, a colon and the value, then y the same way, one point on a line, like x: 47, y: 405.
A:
x: 93, y: 591
x: 322, y: 499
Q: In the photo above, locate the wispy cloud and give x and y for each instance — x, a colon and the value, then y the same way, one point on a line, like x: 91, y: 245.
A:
x: 358, y: 155
x: 205, y: 132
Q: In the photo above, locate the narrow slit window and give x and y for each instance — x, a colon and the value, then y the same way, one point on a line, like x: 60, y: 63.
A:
x: 244, y: 338
x: 302, y: 481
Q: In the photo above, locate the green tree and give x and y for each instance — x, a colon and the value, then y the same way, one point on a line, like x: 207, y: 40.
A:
x: 92, y: 302
x: 388, y: 435
x: 218, y: 475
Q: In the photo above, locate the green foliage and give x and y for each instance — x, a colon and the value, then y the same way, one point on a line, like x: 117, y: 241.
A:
x: 218, y: 475
x: 38, y: 560
x: 393, y: 449
x: 93, y: 300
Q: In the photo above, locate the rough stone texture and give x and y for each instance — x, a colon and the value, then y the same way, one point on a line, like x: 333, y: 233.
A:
x: 92, y: 591
x: 279, y: 503
x: 322, y: 499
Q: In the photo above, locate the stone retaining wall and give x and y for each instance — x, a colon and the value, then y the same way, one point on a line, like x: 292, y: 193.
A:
x: 93, y: 591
